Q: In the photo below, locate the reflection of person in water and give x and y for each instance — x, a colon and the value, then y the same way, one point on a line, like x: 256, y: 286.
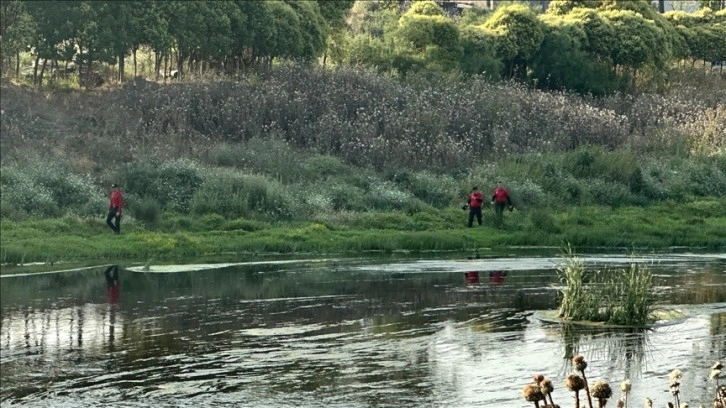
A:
x: 472, y: 277
x: 496, y: 278
x: 113, y: 290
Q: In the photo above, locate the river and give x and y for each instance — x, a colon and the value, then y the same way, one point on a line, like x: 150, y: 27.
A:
x: 413, y: 331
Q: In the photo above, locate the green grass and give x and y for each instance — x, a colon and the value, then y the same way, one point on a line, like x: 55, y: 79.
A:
x: 74, y: 239
x: 619, y: 297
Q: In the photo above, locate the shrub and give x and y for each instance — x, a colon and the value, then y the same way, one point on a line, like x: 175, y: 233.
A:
x: 235, y: 194
x: 527, y: 194
x: 146, y: 210
x: 543, y: 221
x: 323, y: 167
x: 385, y: 195
x: 433, y: 189
x: 47, y: 187
x: 605, y: 192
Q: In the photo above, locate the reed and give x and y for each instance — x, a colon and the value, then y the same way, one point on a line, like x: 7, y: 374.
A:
x: 621, y: 297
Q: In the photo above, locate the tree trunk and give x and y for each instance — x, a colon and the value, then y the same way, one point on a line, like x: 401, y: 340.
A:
x: 17, y: 64
x: 661, y: 6
x: 53, y: 70
x: 121, y: 68
x: 42, y: 71
x: 35, y: 70
x: 135, y: 74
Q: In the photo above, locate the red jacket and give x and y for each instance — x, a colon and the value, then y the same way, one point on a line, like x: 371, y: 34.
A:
x: 475, y: 199
x: 500, y: 195
x: 117, y: 201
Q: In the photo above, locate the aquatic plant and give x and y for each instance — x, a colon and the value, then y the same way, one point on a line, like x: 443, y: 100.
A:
x: 621, y: 297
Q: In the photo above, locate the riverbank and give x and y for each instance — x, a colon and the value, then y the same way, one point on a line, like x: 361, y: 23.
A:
x: 697, y: 225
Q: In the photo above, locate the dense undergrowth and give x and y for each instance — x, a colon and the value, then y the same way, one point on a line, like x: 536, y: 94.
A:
x: 349, y: 150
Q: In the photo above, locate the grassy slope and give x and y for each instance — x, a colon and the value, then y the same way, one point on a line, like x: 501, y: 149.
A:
x: 655, y: 227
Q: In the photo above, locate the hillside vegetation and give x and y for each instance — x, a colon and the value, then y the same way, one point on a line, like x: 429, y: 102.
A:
x: 319, y: 148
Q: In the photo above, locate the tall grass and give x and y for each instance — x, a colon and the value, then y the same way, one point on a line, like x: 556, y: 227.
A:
x: 620, y: 297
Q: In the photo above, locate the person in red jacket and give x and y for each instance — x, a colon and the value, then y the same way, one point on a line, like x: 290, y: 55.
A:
x: 500, y: 199
x: 115, y: 208
x: 474, y: 203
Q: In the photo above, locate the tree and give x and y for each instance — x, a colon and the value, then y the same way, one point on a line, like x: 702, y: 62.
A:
x: 479, y: 52
x: 562, y: 63
x: 637, y: 41
x: 430, y: 37
x: 313, y: 29
x: 562, y: 7
x: 16, y: 33
x: 599, y: 33
x: 714, y: 4
x: 519, y: 35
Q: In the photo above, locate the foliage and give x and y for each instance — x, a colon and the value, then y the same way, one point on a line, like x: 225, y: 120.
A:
x: 620, y: 297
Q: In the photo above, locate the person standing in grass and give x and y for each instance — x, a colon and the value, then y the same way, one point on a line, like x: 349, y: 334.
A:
x: 115, y: 209
x: 500, y: 199
x: 474, y: 203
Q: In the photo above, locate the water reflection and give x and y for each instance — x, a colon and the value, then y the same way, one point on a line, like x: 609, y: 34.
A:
x: 324, y: 334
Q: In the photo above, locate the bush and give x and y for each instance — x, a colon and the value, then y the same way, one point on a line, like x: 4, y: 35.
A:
x: 146, y: 210
x: 171, y: 184
x: 323, y: 167
x: 235, y: 194
x: 47, y: 187
x: 433, y: 189
x: 543, y: 221
x: 605, y: 192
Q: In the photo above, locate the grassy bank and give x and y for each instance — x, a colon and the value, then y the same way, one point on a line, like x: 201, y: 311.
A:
x: 700, y: 224
x: 345, y: 160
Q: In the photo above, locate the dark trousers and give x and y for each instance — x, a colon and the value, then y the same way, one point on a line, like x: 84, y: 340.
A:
x: 499, y: 207
x: 113, y: 217
x: 472, y: 213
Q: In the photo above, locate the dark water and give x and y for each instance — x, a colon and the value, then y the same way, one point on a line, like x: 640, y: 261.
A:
x: 343, y: 333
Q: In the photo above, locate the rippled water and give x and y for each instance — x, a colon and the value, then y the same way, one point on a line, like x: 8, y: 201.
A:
x: 345, y: 333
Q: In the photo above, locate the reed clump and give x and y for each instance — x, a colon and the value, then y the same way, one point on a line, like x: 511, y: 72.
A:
x: 618, y: 297
x: 540, y: 390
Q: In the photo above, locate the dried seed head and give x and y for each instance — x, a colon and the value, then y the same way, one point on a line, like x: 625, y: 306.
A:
x: 715, y: 373
x: 625, y: 386
x: 717, y: 366
x: 579, y: 362
x: 621, y: 403
x: 546, y: 385
x: 648, y: 403
x: 574, y: 383
x: 532, y: 393
x: 675, y: 375
x: 538, y: 378
x: 601, y: 389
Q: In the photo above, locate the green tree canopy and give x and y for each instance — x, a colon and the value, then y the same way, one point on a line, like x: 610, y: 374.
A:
x: 519, y: 34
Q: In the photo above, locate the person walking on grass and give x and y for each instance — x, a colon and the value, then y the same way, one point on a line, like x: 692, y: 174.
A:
x: 500, y: 199
x: 474, y: 203
x: 115, y: 209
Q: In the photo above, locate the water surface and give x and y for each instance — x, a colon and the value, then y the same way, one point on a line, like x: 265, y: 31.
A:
x: 341, y: 332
